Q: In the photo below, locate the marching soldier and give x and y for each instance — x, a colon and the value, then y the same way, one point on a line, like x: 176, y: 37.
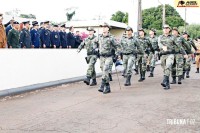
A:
x: 3, y: 39
x: 167, y: 44
x: 91, y: 45
x: 14, y: 36
x: 55, y: 37
x: 153, y: 57
x: 35, y: 36
x: 63, y: 36
x: 177, y: 67
x: 197, y: 58
x: 25, y: 36
x: 45, y: 36
x: 142, y: 58
x: 187, y: 62
x: 106, y: 43
x: 130, y: 48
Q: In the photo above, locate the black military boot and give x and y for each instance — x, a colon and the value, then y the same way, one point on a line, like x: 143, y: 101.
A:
x: 110, y: 77
x: 179, y: 79
x: 87, y: 80
x: 167, y: 83
x: 128, y: 81
x: 197, y: 70
x: 151, y: 71
x: 148, y: 68
x: 136, y: 70
x: 183, y: 76
x: 107, y: 89
x: 164, y: 81
x: 143, y: 75
x: 173, y: 80
x: 187, y: 74
x: 101, y: 88
x: 94, y: 82
x: 124, y: 73
x: 141, y: 79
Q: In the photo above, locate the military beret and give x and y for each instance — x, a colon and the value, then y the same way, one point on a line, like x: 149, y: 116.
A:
x: 26, y: 22
x: 185, y: 32
x: 129, y: 29
x: 166, y: 26
x: 34, y: 23
x: 105, y: 25
x: 91, y: 29
x: 63, y: 26
x: 15, y: 22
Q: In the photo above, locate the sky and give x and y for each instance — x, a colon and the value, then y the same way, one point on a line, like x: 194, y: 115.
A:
x: 85, y: 9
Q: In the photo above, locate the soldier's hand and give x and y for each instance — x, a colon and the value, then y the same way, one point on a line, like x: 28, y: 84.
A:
x: 32, y: 46
x: 186, y: 56
x: 44, y: 46
x: 164, y: 48
x: 10, y: 46
x: 54, y: 46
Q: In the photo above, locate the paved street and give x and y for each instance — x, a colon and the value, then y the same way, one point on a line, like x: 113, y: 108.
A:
x: 77, y: 108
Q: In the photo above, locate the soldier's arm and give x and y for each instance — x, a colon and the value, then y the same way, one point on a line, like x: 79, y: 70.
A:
x: 117, y: 46
x: 150, y: 45
x: 179, y: 44
x: 160, y: 45
x: 193, y: 45
x: 81, y: 46
x: 32, y: 37
x: 139, y: 47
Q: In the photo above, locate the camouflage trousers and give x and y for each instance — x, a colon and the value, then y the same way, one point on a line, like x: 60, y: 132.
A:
x: 187, y: 63
x: 128, y: 62
x: 105, y: 65
x: 92, y: 59
x: 166, y: 63
x: 177, y: 67
x: 141, y: 62
x: 152, y: 58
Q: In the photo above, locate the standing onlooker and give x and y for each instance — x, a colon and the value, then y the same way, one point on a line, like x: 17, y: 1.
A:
x: 55, y: 37
x: 78, y: 39
x: 10, y: 26
x: 197, y: 58
x: 71, y: 38
x: 63, y: 36
x: 25, y: 36
x: 35, y: 36
x: 13, y: 36
x: 45, y: 36
x: 3, y: 40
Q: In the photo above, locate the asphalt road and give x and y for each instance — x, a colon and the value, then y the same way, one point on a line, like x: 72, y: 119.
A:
x: 76, y: 108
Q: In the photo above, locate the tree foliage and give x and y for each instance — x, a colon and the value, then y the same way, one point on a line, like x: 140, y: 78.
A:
x: 193, y: 30
x: 120, y: 16
x: 29, y: 16
x: 70, y: 15
x: 152, y: 17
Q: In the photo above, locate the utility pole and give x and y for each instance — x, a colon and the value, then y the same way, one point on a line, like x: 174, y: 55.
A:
x: 163, y: 16
x: 139, y: 14
x: 185, y: 19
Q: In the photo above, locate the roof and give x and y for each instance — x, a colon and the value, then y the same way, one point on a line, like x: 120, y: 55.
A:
x: 95, y: 23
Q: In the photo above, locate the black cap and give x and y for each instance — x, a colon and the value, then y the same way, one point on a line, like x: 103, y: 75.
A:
x: 15, y: 22
x: 63, y: 26
x: 55, y: 25
x: 129, y: 29
x: 91, y: 29
x: 35, y: 23
x: 26, y: 22
x: 185, y: 32
x: 106, y: 25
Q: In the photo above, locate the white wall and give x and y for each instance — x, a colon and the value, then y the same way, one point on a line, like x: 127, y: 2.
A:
x: 22, y: 67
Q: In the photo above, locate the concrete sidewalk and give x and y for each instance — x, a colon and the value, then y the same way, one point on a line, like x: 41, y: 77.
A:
x: 140, y: 108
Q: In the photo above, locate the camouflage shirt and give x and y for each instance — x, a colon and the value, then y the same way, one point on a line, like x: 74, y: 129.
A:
x: 130, y: 45
x: 145, y: 44
x: 190, y: 44
x: 91, y: 45
x: 107, y: 44
x: 154, y: 43
x: 179, y: 44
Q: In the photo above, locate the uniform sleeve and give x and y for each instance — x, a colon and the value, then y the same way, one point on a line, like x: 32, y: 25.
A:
x: 81, y: 46
x: 179, y: 44
x: 150, y: 45
x: 9, y: 38
x: 139, y: 47
x: 117, y: 46
x: 32, y: 37
x: 160, y: 45
x: 193, y: 45
x: 42, y: 36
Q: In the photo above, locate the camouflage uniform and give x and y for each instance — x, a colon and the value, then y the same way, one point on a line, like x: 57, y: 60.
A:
x: 91, y: 45
x: 177, y: 67
x: 106, y: 45
x: 187, y: 62
x: 153, y: 56
x: 130, y: 47
x: 142, y: 57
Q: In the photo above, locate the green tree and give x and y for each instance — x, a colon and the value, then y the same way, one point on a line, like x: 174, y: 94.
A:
x: 29, y: 16
x: 70, y: 16
x: 193, y: 30
x: 152, y: 17
x: 120, y: 16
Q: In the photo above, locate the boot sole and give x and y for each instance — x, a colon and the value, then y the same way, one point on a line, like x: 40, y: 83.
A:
x: 106, y: 92
x: 86, y: 82
x: 164, y: 85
